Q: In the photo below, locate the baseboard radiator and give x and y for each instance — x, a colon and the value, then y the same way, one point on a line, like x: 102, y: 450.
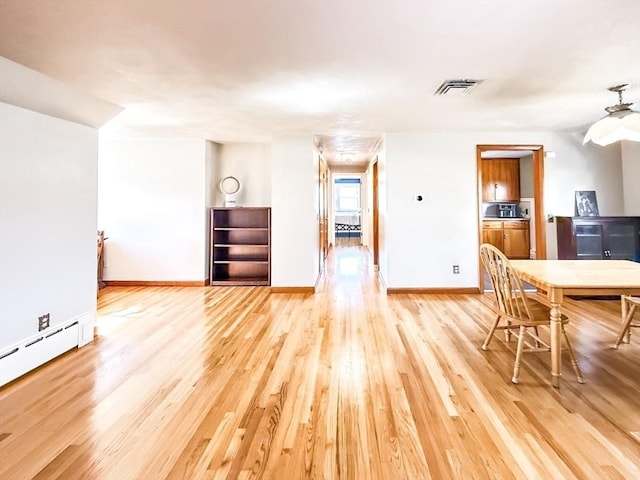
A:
x: 37, y: 350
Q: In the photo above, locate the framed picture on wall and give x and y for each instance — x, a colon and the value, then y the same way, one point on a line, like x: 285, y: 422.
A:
x: 586, y: 204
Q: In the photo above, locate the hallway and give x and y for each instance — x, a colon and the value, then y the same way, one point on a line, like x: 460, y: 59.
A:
x: 349, y: 383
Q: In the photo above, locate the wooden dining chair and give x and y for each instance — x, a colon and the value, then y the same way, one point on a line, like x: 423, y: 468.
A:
x: 521, y: 316
x: 629, y: 305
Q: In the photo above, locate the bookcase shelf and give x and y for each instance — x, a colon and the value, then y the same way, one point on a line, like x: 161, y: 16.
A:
x: 240, y: 251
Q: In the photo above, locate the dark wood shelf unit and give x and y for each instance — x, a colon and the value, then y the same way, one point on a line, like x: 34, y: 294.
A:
x: 240, y: 251
x: 598, y: 238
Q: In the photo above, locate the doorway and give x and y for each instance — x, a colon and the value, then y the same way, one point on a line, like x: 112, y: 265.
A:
x: 347, y: 208
x: 537, y: 173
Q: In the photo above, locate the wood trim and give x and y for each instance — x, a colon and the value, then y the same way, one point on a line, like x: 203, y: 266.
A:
x: 376, y: 216
x: 538, y: 195
x: 443, y: 290
x: 157, y: 283
x: 540, y: 223
x: 309, y: 290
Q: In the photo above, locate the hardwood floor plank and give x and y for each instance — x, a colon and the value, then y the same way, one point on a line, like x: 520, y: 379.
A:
x: 238, y: 382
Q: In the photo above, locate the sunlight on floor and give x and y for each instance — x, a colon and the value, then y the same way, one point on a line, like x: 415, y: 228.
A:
x: 348, y: 266
x: 109, y: 323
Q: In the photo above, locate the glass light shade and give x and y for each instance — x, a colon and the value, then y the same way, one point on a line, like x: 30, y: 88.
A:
x: 623, y: 125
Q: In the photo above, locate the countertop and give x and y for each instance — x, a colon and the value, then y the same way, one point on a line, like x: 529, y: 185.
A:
x: 504, y: 219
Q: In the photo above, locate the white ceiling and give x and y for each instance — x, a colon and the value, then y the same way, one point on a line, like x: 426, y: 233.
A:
x: 344, y: 71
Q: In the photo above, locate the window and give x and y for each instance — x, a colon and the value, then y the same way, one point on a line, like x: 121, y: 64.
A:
x: 348, y: 195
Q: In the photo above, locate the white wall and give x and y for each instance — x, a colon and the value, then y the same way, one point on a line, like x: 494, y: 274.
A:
x: 631, y: 177
x: 582, y: 167
x: 249, y: 163
x: 48, y: 185
x: 294, y: 216
x: 526, y: 177
x: 151, y: 202
x: 425, y: 239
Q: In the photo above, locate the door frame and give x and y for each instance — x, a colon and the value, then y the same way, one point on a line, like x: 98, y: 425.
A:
x: 323, y: 221
x: 375, y: 215
x: 538, y: 195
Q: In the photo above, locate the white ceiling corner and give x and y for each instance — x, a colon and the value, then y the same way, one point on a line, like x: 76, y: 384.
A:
x: 27, y: 88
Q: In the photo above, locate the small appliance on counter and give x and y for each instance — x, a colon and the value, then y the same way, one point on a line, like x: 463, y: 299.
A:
x: 507, y: 210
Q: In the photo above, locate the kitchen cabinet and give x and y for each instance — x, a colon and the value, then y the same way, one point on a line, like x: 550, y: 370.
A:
x: 500, y: 179
x: 598, y: 238
x: 516, y: 239
x: 492, y: 233
x: 240, y: 246
x: 510, y: 236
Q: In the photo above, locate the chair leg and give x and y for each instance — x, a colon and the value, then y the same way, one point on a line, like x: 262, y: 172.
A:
x: 507, y: 332
x: 572, y: 356
x: 516, y: 367
x: 626, y: 327
x: 485, y: 345
x: 535, y: 329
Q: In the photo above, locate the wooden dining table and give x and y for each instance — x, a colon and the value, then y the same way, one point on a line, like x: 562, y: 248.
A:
x: 576, y: 277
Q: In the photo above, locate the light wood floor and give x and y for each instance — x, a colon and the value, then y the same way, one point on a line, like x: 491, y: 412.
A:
x: 195, y: 383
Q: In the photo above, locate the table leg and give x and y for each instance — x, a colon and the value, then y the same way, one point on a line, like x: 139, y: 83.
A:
x: 555, y: 297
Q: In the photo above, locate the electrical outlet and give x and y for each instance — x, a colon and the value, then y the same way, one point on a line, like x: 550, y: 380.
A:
x: 456, y: 269
x: 43, y: 321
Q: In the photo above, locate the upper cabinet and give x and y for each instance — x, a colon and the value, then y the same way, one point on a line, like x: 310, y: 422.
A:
x: 501, y: 180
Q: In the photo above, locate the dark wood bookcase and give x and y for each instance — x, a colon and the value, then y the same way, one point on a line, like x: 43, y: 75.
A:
x: 240, y: 251
x: 598, y: 238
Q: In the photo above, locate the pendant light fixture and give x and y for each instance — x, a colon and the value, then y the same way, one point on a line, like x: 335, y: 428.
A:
x: 621, y: 123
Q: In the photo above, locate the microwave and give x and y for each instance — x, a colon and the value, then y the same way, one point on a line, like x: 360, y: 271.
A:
x: 507, y: 210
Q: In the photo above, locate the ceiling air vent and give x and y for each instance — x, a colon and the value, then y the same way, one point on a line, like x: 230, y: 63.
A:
x: 456, y: 87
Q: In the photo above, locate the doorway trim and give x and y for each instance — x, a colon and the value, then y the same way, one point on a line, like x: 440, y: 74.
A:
x: 375, y: 217
x: 538, y: 195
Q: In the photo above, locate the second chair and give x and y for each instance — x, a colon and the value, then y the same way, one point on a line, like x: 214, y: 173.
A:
x: 629, y: 305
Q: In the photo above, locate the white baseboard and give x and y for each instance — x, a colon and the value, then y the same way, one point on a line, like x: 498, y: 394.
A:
x: 87, y: 322
x: 32, y: 352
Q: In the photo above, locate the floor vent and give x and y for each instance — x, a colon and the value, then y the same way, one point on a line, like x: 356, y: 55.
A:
x: 454, y: 88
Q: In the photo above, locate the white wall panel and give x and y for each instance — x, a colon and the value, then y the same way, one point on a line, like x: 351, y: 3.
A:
x: 294, y: 227
x: 151, y: 207
x: 631, y: 177
x: 48, y: 192
x: 251, y: 164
